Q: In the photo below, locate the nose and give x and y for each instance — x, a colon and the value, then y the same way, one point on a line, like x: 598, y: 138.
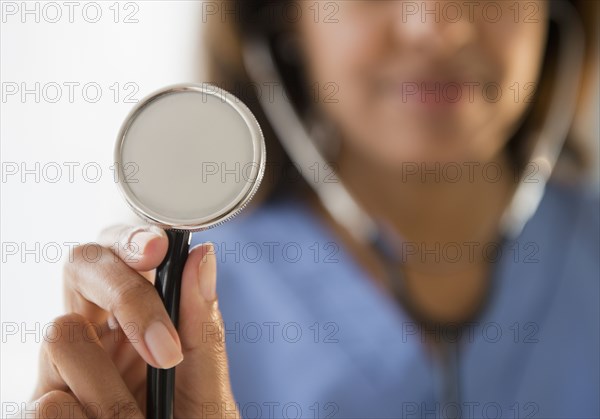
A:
x: 433, y: 27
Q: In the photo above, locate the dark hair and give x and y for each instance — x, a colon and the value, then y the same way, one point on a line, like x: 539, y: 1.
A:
x: 267, y: 18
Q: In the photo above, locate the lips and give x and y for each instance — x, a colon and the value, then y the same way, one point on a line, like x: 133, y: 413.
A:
x: 433, y: 81
x: 431, y: 92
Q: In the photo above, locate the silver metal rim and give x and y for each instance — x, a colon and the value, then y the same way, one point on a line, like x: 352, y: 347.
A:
x: 244, y: 197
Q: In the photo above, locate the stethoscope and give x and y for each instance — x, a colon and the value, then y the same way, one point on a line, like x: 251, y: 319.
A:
x: 174, y: 137
x: 335, y: 198
x: 189, y: 157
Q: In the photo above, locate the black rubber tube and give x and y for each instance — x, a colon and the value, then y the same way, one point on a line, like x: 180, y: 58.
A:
x: 160, y: 402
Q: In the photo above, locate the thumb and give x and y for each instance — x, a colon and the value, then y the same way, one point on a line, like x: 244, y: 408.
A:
x: 202, y: 379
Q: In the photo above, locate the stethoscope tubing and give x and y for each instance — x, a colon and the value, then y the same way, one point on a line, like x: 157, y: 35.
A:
x: 160, y: 385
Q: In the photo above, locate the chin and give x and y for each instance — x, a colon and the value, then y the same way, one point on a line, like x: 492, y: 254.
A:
x: 423, y: 149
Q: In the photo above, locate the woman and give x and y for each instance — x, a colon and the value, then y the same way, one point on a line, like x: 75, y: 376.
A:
x: 462, y: 304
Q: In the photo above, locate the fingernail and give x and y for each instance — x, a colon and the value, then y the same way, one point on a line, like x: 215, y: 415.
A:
x: 113, y: 324
x: 207, y: 274
x: 139, y: 239
x: 162, y: 346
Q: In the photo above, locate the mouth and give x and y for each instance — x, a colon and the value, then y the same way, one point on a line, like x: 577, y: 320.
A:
x: 433, y: 86
x: 431, y: 94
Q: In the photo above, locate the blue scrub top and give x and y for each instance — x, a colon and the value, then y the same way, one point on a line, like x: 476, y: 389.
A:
x: 309, y: 334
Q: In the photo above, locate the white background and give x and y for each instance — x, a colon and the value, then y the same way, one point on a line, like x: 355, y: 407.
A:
x: 162, y: 48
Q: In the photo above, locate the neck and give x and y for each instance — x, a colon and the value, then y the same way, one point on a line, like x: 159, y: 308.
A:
x: 446, y: 203
x: 429, y: 214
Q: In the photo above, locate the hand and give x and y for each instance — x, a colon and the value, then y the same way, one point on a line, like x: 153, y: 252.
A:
x: 93, y: 360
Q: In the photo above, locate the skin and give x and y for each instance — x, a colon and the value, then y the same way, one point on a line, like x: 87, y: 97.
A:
x: 88, y: 368
x: 369, y: 52
x: 373, y: 50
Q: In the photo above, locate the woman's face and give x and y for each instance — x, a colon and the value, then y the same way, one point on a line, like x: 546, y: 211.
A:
x: 424, y: 81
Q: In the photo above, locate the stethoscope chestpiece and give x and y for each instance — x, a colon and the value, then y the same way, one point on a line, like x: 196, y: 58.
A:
x: 189, y: 157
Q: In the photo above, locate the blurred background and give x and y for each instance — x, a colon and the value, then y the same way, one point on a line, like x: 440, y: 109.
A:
x: 69, y: 76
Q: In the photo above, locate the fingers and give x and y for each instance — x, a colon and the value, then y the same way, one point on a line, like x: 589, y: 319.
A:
x: 55, y: 404
x: 203, y: 377
x: 109, y: 285
x: 73, y: 361
x: 141, y: 247
x: 198, y: 305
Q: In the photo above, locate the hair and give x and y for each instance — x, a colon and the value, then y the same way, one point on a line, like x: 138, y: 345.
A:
x: 265, y: 18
